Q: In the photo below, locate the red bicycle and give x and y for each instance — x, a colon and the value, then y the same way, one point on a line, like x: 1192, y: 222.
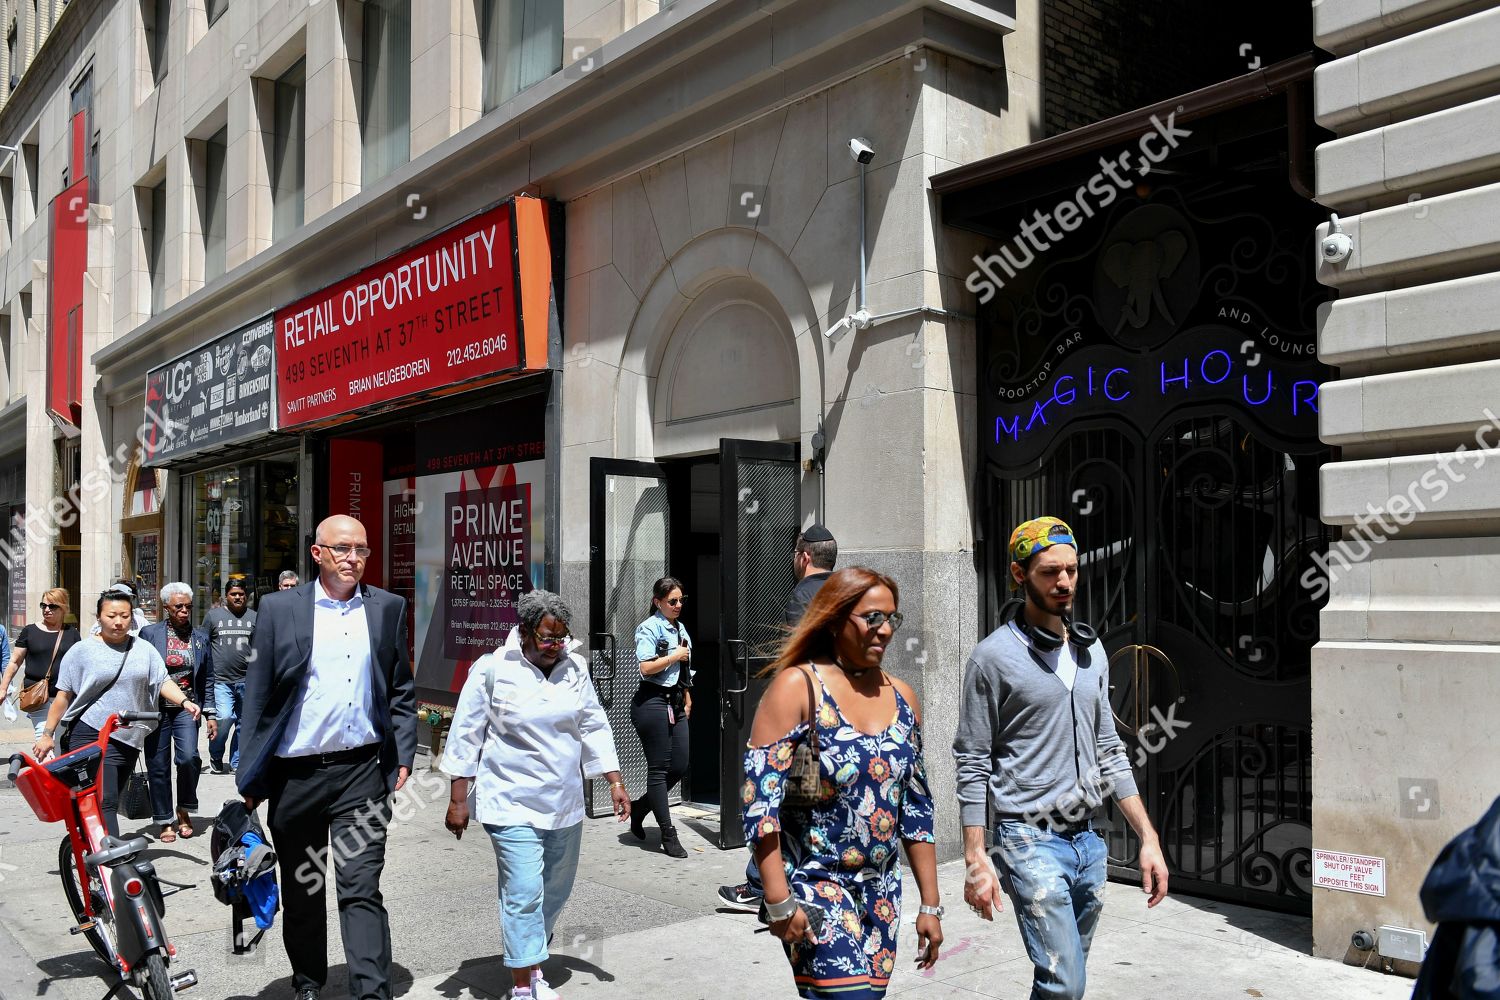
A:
x: 115, y: 895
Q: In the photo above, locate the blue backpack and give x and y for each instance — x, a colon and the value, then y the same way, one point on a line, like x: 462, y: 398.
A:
x: 244, y: 872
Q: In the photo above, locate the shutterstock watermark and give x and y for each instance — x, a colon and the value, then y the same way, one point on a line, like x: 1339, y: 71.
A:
x: 1401, y: 509
x: 1115, y: 175
x: 94, y: 486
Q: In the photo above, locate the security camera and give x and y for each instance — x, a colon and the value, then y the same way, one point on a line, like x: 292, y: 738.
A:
x: 861, y: 150
x: 1336, y: 246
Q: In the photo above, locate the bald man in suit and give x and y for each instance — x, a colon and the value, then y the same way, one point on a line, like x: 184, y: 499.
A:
x: 328, y: 733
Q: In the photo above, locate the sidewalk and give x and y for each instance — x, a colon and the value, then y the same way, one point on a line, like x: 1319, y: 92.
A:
x: 639, y: 925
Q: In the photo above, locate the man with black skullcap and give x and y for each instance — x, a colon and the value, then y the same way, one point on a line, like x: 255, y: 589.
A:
x: 813, y: 559
x: 1036, y: 740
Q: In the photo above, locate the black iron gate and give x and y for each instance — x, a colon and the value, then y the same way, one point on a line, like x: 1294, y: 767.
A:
x: 759, y: 498
x: 1157, y: 388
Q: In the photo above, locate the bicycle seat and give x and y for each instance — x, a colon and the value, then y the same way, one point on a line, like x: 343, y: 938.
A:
x: 79, y: 769
x: 113, y: 849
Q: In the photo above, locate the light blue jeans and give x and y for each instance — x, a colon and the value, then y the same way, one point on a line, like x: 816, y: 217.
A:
x: 536, y: 877
x: 228, y: 698
x: 1056, y: 885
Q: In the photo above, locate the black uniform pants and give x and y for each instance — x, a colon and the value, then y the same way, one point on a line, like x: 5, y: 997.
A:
x: 340, y: 798
x: 666, y: 747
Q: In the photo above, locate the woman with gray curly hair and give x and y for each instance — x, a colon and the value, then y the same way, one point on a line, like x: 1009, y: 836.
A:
x: 527, y: 720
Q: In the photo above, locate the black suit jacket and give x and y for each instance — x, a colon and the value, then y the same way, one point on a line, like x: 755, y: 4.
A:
x: 280, y: 650
x: 203, y: 669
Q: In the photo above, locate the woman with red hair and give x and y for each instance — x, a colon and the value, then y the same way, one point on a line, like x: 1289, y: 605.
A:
x: 832, y: 872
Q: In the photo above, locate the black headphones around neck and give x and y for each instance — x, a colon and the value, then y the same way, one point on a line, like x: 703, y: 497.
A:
x: 1045, y: 640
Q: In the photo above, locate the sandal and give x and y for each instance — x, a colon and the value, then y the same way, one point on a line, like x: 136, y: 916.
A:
x: 184, y: 827
x: 167, y: 835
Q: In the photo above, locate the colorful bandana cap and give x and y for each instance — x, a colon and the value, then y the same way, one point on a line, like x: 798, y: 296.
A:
x: 1038, y: 534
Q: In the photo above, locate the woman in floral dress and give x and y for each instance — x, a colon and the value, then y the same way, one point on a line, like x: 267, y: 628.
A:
x: 840, y: 858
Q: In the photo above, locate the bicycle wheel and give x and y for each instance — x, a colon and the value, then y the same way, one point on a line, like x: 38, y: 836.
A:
x: 102, y: 935
x: 157, y: 986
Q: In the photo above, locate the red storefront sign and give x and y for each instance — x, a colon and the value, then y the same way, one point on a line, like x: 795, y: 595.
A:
x: 445, y: 312
x: 355, y: 488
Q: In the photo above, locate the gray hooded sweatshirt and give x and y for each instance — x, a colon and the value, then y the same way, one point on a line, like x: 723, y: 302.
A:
x: 1028, y: 744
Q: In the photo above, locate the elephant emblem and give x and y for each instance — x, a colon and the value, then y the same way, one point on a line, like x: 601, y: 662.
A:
x: 1141, y: 269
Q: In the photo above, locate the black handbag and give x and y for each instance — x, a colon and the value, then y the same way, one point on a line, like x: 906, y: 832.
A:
x: 803, y: 784
x: 135, y: 797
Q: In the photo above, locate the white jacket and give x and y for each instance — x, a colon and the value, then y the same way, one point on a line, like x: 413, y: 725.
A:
x: 528, y: 739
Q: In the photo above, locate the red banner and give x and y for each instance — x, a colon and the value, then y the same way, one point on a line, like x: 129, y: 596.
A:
x: 443, y: 312
x: 356, y: 487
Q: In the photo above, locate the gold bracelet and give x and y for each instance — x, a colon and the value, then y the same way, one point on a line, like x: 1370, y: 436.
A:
x: 617, y: 784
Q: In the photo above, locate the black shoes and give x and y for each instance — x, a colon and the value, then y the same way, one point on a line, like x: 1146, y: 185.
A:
x: 740, y: 897
x: 307, y: 994
x: 670, y: 845
x: 217, y: 767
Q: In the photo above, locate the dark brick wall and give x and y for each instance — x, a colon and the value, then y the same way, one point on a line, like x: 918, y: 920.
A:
x: 1105, y: 57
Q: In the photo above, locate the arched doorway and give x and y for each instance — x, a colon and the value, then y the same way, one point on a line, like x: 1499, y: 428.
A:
x: 714, y: 500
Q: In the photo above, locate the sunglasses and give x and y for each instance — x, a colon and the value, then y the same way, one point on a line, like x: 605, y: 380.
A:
x: 553, y: 641
x: 677, y: 602
x: 51, y: 607
x: 875, y: 619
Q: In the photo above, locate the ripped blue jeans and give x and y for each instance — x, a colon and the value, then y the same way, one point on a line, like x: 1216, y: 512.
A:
x: 1056, y: 885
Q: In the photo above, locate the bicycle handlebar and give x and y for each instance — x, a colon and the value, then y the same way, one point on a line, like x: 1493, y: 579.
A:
x: 129, y: 717
x: 16, y: 761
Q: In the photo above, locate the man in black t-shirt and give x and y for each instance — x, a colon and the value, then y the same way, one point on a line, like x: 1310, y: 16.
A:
x: 229, y: 630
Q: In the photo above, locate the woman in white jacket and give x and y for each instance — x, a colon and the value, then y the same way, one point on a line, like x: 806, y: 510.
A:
x: 527, y: 720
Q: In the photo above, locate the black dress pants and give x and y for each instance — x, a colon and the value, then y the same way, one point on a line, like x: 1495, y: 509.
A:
x: 119, y: 762
x: 666, y: 748
x: 340, y: 798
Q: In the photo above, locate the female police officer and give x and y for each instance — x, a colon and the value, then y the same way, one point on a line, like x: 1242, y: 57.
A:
x: 661, y: 708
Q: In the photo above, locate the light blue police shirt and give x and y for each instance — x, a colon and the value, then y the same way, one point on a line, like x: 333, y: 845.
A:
x: 647, y: 634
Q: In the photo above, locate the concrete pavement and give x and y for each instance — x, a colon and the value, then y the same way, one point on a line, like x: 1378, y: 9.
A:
x: 639, y: 925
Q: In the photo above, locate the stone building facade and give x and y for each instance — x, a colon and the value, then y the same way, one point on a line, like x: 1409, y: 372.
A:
x: 1404, y: 678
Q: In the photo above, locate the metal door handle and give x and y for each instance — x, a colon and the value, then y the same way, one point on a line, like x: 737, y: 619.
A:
x: 604, y: 643
x: 743, y: 658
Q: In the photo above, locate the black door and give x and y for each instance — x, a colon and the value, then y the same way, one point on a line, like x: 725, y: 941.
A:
x: 629, y: 519
x: 759, y: 501
x: 1191, y: 548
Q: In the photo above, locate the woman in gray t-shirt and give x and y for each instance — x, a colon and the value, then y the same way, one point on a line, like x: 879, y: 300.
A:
x: 98, y: 679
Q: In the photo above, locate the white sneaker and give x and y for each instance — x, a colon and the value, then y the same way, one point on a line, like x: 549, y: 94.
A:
x: 541, y: 990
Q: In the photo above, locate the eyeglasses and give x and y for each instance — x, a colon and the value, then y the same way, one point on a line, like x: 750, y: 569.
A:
x: 51, y: 607
x: 875, y: 619
x: 342, y: 551
x: 180, y: 607
x: 677, y: 602
x: 553, y: 641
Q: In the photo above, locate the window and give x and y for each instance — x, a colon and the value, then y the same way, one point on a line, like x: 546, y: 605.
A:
x: 11, y: 65
x: 216, y: 9
x: 385, y: 129
x: 8, y: 204
x: 157, y: 18
x: 522, y: 45
x: 288, y: 150
x: 83, y: 100
x: 215, y: 196
x: 154, y: 237
x: 33, y: 179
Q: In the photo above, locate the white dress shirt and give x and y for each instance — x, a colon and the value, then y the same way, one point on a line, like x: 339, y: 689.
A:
x: 335, y: 709
x: 526, y: 741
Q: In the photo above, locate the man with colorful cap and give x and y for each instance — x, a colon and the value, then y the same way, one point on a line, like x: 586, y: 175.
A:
x: 813, y: 559
x: 1036, y: 741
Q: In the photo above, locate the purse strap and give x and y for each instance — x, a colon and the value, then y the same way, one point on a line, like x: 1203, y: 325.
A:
x: 56, y: 645
x: 812, y: 706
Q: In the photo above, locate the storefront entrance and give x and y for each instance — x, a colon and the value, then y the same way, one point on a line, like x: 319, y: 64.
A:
x: 725, y: 526
x: 1154, y: 382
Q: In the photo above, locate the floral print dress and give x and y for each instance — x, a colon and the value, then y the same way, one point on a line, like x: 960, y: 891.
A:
x: 842, y: 856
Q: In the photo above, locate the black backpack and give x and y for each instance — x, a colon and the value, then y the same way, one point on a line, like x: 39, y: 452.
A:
x: 233, y: 867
